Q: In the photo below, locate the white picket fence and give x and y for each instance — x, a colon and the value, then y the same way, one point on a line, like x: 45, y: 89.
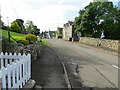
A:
x: 15, y: 70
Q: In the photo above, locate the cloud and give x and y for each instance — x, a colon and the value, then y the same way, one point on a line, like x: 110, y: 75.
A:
x: 46, y: 14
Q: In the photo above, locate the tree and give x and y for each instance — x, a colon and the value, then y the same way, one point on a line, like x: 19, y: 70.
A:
x: 15, y: 27
x: 2, y: 25
x: 31, y: 28
x: 37, y: 31
x: 98, y: 17
x: 21, y: 24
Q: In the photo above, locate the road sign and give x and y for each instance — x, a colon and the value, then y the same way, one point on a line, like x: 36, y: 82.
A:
x: 79, y: 34
x: 102, y: 35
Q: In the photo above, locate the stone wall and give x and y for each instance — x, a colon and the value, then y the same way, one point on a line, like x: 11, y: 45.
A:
x: 107, y: 43
x: 34, y: 49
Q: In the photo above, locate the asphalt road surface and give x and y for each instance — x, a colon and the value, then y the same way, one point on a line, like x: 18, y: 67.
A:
x: 86, y: 68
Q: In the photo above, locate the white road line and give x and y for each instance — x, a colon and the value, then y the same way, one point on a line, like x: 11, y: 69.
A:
x: 116, y: 66
x: 66, y: 73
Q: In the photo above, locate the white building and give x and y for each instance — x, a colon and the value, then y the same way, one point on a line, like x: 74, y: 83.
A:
x: 119, y: 5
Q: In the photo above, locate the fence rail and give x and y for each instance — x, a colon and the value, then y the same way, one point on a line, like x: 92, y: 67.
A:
x: 15, y: 70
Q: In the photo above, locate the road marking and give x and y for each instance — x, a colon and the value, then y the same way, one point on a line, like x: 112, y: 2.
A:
x: 116, y: 66
x: 65, y: 72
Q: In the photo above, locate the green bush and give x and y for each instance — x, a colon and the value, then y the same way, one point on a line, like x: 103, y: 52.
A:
x: 23, y: 41
x: 15, y: 27
x: 31, y: 37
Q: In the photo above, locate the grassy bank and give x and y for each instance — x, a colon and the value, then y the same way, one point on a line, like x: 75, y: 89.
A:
x: 17, y: 36
x: 14, y: 35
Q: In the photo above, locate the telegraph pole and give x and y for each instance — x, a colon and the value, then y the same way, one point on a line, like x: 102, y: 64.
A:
x: 0, y: 30
x: 0, y: 18
x: 8, y: 30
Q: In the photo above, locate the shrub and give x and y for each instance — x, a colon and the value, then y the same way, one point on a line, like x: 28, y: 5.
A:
x: 15, y: 27
x: 23, y: 41
x: 31, y: 37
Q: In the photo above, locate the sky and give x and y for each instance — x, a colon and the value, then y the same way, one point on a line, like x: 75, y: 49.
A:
x: 46, y: 14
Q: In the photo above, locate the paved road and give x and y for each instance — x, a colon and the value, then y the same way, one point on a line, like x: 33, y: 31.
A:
x: 87, y: 67
x: 47, y: 71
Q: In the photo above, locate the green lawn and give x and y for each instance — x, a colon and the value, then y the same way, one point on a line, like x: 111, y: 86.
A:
x: 15, y: 35
x: 44, y: 43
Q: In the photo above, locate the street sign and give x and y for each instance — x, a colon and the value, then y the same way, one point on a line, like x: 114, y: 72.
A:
x: 102, y: 35
x: 79, y: 34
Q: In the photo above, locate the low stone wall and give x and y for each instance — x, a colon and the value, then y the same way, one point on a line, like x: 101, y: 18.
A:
x: 107, y: 43
x: 34, y: 49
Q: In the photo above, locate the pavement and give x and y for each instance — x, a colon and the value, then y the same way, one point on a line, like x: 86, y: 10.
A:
x: 48, y: 71
x: 88, y: 66
x: 84, y: 71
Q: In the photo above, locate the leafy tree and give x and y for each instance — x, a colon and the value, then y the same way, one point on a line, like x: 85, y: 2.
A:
x: 41, y: 35
x: 99, y: 17
x: 36, y: 30
x: 2, y: 25
x: 21, y: 24
x: 15, y: 27
x: 31, y: 28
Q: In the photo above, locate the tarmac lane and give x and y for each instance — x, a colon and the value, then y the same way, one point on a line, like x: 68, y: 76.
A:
x: 88, y: 69
x: 47, y: 71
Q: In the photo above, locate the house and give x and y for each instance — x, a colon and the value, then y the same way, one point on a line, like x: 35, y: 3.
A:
x: 52, y: 34
x: 69, y: 31
x: 45, y: 34
x: 119, y: 5
x: 49, y: 34
x: 59, y: 32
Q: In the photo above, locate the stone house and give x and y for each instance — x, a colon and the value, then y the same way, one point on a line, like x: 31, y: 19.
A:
x: 49, y: 34
x: 59, y: 32
x: 69, y: 31
x: 52, y: 34
x: 119, y: 5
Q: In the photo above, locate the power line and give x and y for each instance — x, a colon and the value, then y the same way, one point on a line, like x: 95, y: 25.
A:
x: 14, y: 9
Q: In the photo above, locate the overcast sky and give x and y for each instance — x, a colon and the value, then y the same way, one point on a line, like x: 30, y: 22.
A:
x: 46, y: 14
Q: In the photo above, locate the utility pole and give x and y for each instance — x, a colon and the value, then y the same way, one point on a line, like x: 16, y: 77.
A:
x: 0, y: 18
x: 0, y: 30
x: 8, y: 20
x: 8, y: 30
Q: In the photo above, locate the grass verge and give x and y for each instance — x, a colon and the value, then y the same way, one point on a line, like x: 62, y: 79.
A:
x: 44, y: 43
x: 14, y: 35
